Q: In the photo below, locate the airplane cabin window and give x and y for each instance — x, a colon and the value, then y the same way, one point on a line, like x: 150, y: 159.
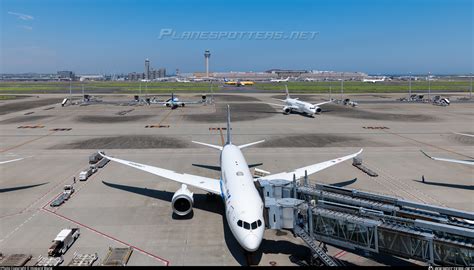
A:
x: 246, y: 226
x: 254, y: 225
x: 239, y: 173
x: 239, y: 223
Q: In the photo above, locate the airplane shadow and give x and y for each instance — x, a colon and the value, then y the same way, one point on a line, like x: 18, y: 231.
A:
x: 467, y: 187
x: 201, y: 201
x: 344, y: 183
x: 3, y: 190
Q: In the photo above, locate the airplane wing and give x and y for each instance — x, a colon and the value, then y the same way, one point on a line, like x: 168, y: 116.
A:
x: 309, y: 169
x: 464, y: 134
x: 281, y: 105
x: 467, y: 162
x: 8, y: 161
x: 190, y: 102
x: 204, y: 183
x: 325, y: 102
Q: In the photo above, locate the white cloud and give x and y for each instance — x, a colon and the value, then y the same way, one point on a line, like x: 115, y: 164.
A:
x: 21, y: 16
x: 26, y: 27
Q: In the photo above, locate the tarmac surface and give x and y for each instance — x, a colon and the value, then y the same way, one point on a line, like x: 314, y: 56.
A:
x: 119, y: 206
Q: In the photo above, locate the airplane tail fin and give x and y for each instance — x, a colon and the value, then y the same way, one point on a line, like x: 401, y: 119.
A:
x: 228, y: 126
x: 286, y: 91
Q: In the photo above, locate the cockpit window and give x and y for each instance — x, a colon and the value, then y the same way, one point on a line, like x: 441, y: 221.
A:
x: 239, y: 173
x: 259, y: 223
x: 254, y: 225
x: 239, y: 223
x: 246, y: 226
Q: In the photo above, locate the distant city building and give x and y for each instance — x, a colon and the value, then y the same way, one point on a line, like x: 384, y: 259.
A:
x: 69, y: 75
x: 149, y: 74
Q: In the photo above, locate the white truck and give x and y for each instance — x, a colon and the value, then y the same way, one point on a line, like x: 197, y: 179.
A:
x: 68, y: 190
x: 85, y: 174
x: 63, y: 241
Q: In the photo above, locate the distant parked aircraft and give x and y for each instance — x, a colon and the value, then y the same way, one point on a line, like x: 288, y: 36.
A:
x: 174, y: 102
x: 374, y: 80
x: 280, y: 80
x: 238, y: 82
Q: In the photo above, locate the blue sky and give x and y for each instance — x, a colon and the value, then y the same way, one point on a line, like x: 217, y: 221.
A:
x: 115, y: 36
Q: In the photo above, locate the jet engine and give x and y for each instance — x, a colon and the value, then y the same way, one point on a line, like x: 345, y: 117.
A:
x: 318, y: 110
x: 182, y: 201
x: 286, y: 110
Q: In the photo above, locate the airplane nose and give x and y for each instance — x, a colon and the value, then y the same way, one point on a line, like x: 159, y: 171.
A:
x: 251, y: 242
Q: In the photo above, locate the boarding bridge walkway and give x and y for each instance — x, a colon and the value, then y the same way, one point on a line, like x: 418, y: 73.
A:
x: 359, y: 220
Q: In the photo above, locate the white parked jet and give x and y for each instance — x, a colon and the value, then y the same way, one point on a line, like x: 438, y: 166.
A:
x: 374, y: 80
x: 467, y: 162
x: 280, y: 80
x: 243, y: 204
x: 296, y: 105
x: 174, y: 102
x: 184, y: 80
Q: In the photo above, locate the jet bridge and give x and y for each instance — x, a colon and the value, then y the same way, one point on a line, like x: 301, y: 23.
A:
x: 374, y: 223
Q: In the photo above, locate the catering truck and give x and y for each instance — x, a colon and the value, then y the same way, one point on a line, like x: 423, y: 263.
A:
x: 63, y: 241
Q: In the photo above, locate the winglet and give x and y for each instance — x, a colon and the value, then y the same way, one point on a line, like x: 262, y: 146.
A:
x: 209, y: 145
x: 250, y: 144
x: 425, y: 154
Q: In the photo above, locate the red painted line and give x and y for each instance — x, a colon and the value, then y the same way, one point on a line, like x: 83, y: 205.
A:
x: 340, y: 254
x: 165, y: 262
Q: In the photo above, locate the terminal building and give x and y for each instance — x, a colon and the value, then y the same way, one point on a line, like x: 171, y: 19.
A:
x: 66, y: 75
x: 294, y: 75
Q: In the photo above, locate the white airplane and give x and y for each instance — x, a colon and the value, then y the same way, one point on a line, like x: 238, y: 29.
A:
x: 174, y: 102
x: 243, y: 204
x: 280, y: 80
x: 296, y: 105
x: 374, y: 80
x: 8, y: 161
x: 182, y: 80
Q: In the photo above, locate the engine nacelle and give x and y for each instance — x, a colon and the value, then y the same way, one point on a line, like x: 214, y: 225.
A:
x: 182, y: 201
x: 286, y: 110
x: 318, y: 110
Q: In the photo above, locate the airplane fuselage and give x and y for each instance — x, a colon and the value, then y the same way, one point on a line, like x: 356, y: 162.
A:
x: 302, y: 107
x: 243, y: 204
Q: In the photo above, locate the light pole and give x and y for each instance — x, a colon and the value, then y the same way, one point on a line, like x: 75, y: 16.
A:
x: 409, y: 86
x: 342, y: 86
x: 429, y: 86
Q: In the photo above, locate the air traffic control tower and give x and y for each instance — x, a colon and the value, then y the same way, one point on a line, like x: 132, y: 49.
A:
x: 207, y: 55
